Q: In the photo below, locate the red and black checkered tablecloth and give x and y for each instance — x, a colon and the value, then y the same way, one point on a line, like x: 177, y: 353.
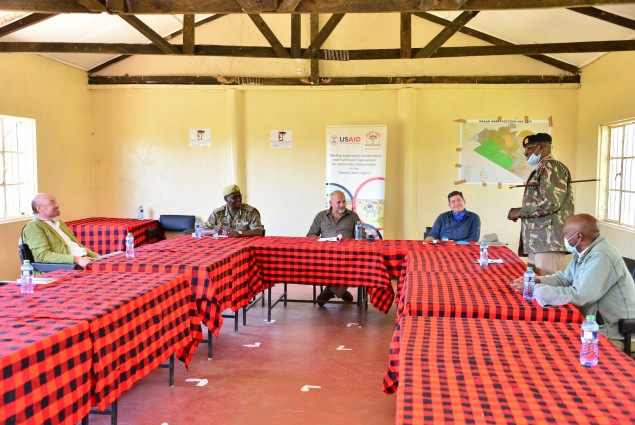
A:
x: 105, y: 235
x: 508, y: 372
x: 46, y: 370
x: 485, y: 293
x: 461, y: 260
x: 208, y: 244
x: 307, y: 261
x: 136, y: 320
x: 218, y: 280
x: 395, y: 252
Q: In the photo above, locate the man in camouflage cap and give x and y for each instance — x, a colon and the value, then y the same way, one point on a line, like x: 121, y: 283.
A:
x: 235, y: 219
x: 547, y: 204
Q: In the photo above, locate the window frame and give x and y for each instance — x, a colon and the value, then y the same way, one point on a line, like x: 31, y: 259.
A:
x: 605, y: 171
x: 26, y: 145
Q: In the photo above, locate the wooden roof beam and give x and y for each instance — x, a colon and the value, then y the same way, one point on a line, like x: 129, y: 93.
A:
x: 182, y: 7
x: 188, y: 34
x: 150, y: 34
x: 25, y: 22
x: 445, y: 34
x: 324, y: 33
x: 363, y: 54
x: 335, y: 81
x: 605, y: 16
x: 499, y: 42
x: 269, y: 35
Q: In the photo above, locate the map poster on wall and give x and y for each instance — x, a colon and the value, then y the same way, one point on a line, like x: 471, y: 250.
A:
x: 356, y: 165
x: 492, y: 150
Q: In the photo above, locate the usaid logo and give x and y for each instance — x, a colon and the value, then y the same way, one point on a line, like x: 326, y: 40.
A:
x: 345, y: 139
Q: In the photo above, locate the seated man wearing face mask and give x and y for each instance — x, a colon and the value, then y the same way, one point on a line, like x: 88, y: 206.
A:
x: 547, y: 204
x: 597, y: 278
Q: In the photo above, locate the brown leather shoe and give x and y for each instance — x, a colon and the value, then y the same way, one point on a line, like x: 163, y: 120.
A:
x: 348, y: 297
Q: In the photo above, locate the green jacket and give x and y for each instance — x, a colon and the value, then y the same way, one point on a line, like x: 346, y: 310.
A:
x: 47, y: 246
x: 547, y: 205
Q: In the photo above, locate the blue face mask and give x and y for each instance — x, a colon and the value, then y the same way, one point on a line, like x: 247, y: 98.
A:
x: 568, y: 247
x: 534, y: 159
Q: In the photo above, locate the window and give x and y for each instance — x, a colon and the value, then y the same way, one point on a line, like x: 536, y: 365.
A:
x: 18, y: 180
x: 619, y: 204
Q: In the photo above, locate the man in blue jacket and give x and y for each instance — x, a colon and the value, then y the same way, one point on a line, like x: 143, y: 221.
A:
x: 458, y: 224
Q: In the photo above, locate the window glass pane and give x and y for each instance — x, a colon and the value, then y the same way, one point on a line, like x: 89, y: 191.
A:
x: 10, y: 136
x: 612, y: 212
x: 1, y: 173
x: 2, y: 198
x: 615, y: 177
x: 628, y: 209
x: 616, y: 141
x: 629, y: 140
x: 13, y: 201
x: 628, y: 176
x: 12, y: 167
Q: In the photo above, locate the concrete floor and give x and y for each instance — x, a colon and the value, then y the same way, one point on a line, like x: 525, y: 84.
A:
x: 249, y: 384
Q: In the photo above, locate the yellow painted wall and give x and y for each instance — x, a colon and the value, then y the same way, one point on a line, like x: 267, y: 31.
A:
x: 607, y: 95
x: 142, y: 155
x: 57, y: 97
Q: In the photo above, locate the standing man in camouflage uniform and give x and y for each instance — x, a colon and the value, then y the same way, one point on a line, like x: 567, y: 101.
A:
x: 547, y: 204
x: 235, y: 218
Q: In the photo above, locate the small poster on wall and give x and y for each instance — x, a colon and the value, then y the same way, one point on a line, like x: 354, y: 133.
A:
x: 200, y: 137
x: 280, y: 139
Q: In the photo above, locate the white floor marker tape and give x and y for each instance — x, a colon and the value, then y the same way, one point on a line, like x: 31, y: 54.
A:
x: 201, y: 382
x: 256, y: 344
x: 343, y: 348
x: 306, y: 388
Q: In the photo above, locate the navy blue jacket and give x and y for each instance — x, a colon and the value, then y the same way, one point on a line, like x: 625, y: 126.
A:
x: 468, y: 229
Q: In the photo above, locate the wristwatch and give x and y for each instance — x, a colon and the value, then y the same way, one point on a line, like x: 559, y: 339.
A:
x: 240, y: 232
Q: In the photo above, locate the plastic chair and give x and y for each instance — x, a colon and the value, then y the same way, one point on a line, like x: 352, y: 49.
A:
x: 172, y: 225
x: 25, y: 254
x: 627, y: 326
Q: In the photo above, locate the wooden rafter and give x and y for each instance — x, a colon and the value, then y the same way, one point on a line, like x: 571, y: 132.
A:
x: 150, y: 34
x: 25, y: 22
x: 269, y: 35
x: 499, y: 42
x: 288, y: 6
x: 445, y: 34
x: 360, y: 54
x: 326, y: 30
x: 296, y: 35
x: 181, y: 7
x: 406, y: 35
x: 169, y: 37
x: 606, y: 16
x: 425, y: 79
x: 315, y: 63
x: 188, y: 34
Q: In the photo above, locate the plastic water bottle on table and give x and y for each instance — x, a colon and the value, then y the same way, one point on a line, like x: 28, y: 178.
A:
x: 529, y: 283
x: 26, y: 276
x: 129, y: 245
x: 589, y: 342
x: 483, y: 257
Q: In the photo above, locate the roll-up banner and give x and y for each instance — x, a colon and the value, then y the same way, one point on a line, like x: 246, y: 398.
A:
x: 356, y: 165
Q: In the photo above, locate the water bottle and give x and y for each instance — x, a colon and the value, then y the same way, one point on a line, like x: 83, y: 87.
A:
x: 198, y: 232
x: 482, y: 260
x: 444, y: 238
x: 589, y: 342
x: 26, y: 274
x: 359, y: 233
x: 140, y: 212
x: 529, y: 283
x: 129, y: 245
